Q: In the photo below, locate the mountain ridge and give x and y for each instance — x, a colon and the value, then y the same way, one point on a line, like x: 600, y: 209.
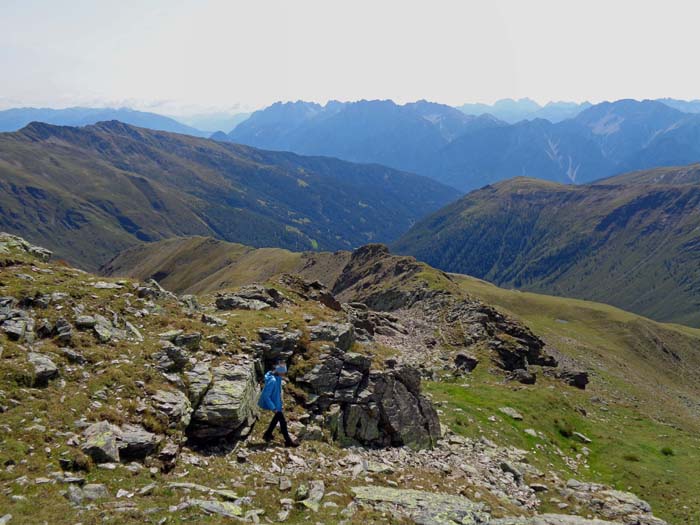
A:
x: 93, y: 191
x: 14, y: 119
x: 630, y: 241
x: 468, y: 152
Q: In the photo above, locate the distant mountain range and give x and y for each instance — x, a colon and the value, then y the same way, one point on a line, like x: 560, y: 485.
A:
x: 467, y: 151
x: 16, y: 118
x: 408, y: 137
x: 512, y: 111
x: 632, y: 241
x: 562, y: 141
x: 89, y: 192
x: 213, y: 122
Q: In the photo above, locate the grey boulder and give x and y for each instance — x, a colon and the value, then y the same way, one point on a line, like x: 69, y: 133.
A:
x: 101, y: 442
x: 340, y: 334
x: 229, y: 407
x: 175, y: 405
x: 136, y: 442
x: 44, y: 368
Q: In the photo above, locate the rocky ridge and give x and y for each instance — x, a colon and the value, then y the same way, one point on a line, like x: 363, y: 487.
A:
x: 104, y: 378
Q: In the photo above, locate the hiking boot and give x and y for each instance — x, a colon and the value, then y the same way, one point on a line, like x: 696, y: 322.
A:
x: 267, y: 438
x: 291, y: 444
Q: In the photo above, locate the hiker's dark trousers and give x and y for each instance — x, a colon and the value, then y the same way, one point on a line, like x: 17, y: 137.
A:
x: 278, y: 418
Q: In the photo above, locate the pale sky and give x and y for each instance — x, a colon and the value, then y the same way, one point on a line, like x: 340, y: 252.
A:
x: 185, y: 56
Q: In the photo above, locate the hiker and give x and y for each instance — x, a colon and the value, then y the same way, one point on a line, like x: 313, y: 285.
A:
x: 271, y: 399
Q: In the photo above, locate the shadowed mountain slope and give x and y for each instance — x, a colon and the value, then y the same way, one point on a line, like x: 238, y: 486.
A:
x: 88, y: 193
x: 632, y: 241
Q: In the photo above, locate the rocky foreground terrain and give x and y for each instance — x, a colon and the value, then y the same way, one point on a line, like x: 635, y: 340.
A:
x: 121, y: 402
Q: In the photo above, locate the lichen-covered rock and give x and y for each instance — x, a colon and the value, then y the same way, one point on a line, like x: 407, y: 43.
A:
x: 14, y: 329
x: 101, y: 442
x: 229, y: 407
x: 611, y: 504
x: 10, y: 242
x: 226, y: 509
x: 85, y: 322
x: 102, y: 329
x: 551, y: 519
x: 64, y: 331
x: 426, y: 508
x: 198, y: 381
x: 188, y: 341
x: 175, y: 405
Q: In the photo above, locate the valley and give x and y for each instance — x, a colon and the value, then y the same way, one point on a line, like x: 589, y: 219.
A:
x: 90, y: 192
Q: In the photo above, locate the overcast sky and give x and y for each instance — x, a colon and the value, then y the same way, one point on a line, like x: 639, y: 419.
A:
x: 183, y: 56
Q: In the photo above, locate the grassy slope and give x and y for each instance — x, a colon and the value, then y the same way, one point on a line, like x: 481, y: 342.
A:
x: 640, y: 400
x: 203, y: 264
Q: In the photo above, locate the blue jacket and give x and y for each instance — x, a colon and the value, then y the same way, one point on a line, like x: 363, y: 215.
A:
x: 271, y: 395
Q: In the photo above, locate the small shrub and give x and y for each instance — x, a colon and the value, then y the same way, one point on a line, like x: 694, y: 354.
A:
x: 564, y: 428
x: 155, y: 424
x: 668, y: 451
x: 631, y: 457
x: 109, y: 414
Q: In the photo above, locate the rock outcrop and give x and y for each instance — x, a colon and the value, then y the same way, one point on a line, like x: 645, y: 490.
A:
x: 371, y: 408
x: 229, y: 407
x: 251, y: 297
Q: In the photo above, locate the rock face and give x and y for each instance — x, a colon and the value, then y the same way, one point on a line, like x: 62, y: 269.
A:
x: 198, y: 381
x: 392, y: 285
x: 368, y: 323
x: 371, y: 408
x: 229, y: 406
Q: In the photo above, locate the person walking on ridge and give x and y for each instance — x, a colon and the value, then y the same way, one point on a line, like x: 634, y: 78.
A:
x: 271, y: 399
